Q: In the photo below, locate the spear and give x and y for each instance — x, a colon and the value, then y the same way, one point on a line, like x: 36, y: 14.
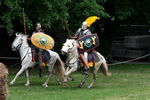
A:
x: 24, y: 22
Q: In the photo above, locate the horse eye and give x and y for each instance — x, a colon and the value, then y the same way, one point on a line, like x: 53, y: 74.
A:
x: 68, y: 45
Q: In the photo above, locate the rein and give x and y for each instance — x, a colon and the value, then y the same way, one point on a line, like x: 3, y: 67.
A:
x: 18, y: 47
x: 25, y: 55
x: 67, y: 63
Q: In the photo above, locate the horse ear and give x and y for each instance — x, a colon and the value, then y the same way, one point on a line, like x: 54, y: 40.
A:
x: 17, y: 34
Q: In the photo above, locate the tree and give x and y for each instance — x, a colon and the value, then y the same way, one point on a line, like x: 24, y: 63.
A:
x: 79, y: 10
x: 46, y: 12
x: 129, y: 11
x: 64, y: 17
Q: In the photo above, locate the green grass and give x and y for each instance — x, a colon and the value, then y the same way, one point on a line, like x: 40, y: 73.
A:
x: 128, y: 82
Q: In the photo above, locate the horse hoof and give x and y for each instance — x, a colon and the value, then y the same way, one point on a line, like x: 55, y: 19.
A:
x: 88, y: 87
x: 27, y: 84
x: 109, y: 74
x: 59, y: 83
x: 11, y: 83
x: 79, y: 86
x: 65, y: 85
x: 45, y: 85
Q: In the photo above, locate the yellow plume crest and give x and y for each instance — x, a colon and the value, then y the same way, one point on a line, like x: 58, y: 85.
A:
x: 91, y: 20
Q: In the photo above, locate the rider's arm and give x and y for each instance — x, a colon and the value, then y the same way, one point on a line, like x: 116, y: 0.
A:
x: 88, y: 32
x: 76, y: 34
x: 28, y: 38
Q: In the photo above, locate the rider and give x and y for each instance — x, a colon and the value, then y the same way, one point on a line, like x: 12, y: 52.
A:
x: 38, y: 28
x: 83, y: 31
x: 37, y: 52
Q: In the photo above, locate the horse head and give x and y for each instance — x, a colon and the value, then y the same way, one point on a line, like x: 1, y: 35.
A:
x: 17, y: 43
x: 69, y: 46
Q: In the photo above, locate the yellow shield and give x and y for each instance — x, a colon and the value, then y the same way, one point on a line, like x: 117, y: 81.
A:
x: 42, y: 40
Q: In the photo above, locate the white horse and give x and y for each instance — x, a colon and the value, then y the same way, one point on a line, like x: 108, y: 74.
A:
x: 55, y: 64
x: 70, y: 48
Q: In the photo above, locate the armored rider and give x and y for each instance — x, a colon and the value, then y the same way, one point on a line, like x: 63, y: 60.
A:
x: 83, y: 31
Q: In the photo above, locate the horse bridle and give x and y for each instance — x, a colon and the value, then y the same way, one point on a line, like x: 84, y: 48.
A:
x: 18, y: 47
x: 70, y: 48
x: 67, y: 63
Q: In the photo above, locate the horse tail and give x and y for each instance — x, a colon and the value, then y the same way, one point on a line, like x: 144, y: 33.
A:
x: 104, y: 66
x: 104, y: 69
x: 59, y: 69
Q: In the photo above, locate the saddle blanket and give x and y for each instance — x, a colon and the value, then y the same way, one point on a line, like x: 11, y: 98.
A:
x: 91, y: 61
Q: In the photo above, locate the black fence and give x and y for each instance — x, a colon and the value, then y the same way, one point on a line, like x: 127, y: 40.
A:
x: 132, y: 41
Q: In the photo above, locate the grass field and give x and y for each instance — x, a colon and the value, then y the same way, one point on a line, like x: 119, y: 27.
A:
x: 128, y: 82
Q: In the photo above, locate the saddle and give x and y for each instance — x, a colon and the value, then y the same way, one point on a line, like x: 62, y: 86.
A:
x: 41, y: 57
x: 46, y: 57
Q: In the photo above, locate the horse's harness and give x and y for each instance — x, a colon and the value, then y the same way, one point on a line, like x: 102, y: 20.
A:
x: 25, y: 55
x: 18, y: 47
x: 67, y: 63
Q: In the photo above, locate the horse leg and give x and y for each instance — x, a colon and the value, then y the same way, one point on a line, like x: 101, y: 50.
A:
x: 50, y: 70
x: 19, y: 73
x: 70, y: 71
x: 67, y: 69
x: 95, y: 70
x: 46, y: 82
x: 83, y: 80
x: 92, y: 82
x: 68, y: 76
x: 58, y: 80
x: 27, y: 76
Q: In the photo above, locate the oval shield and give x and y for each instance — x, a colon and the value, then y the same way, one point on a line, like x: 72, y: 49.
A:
x: 42, y: 40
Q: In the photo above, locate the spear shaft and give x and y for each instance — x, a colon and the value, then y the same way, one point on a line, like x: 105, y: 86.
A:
x: 24, y: 22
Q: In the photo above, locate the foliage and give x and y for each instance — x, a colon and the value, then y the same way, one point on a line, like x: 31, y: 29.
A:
x: 44, y: 11
x: 49, y: 13
x: 129, y: 11
x: 69, y: 14
x: 79, y: 10
x: 9, y: 10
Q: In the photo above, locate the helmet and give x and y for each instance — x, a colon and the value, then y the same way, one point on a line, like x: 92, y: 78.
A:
x: 38, y: 25
x: 84, y: 25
